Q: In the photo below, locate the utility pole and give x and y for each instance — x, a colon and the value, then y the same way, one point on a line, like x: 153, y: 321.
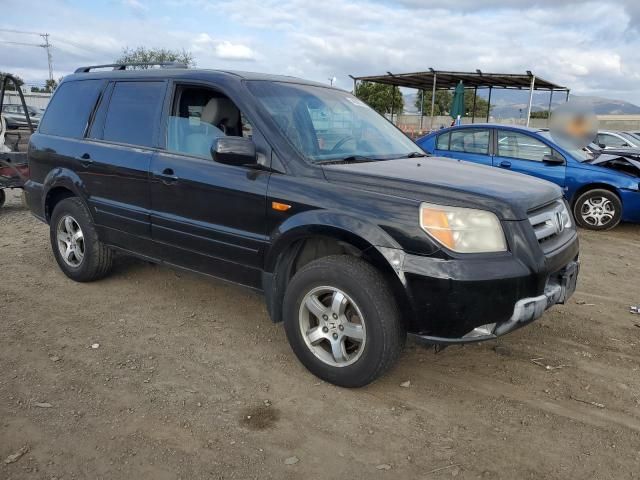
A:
x: 47, y: 47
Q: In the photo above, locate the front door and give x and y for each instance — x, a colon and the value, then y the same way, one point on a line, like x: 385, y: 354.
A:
x: 211, y: 217
x: 520, y: 152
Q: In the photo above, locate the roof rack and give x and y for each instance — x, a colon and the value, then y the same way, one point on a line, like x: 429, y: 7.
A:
x: 123, y: 66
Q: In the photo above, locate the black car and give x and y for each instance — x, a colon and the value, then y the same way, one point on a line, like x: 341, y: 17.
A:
x: 303, y: 192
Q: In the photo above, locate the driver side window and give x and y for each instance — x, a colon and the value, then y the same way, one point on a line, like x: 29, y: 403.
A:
x: 199, y: 116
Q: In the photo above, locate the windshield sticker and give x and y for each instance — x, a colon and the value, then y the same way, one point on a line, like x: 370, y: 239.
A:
x: 356, y: 102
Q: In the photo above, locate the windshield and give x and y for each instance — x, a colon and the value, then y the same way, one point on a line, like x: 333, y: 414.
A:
x: 327, y: 125
x: 579, y: 154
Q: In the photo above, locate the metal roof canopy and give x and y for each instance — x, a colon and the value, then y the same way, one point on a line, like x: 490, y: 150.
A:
x: 445, y: 80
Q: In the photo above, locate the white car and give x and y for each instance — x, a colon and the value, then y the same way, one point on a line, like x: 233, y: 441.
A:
x: 612, y: 139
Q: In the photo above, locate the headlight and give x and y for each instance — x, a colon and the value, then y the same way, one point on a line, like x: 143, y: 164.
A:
x: 463, y: 230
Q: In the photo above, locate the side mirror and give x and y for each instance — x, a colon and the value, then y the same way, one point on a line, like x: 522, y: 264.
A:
x: 602, y: 145
x: 238, y: 151
x: 553, y: 159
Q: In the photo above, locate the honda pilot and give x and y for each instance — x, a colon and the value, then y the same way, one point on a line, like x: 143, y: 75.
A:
x: 304, y: 193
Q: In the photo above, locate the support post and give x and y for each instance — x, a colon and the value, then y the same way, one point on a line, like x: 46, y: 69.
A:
x: 355, y: 85
x: 549, y: 109
x: 568, y: 92
x: 489, y: 106
x: 533, y: 86
x: 392, y: 102
x: 433, y: 101
x: 421, y: 107
x: 475, y: 96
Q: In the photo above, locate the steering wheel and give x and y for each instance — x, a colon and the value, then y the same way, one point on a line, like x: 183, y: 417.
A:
x: 341, y: 142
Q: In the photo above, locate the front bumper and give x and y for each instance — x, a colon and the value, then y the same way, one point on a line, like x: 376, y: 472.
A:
x: 526, y: 310
x: 475, y: 298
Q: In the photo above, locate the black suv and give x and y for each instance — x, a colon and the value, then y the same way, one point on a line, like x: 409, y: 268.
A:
x: 303, y: 192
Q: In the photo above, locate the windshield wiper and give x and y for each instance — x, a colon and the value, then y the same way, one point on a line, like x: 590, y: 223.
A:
x: 349, y: 159
x: 416, y: 155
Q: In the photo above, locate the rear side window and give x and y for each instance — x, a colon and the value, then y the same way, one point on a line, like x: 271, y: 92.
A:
x: 443, y: 141
x: 470, y: 140
x: 70, y: 108
x: 133, y: 114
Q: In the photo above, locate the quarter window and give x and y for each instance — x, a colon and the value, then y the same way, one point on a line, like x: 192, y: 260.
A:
x: 70, y: 107
x: 524, y: 147
x: 470, y: 140
x: 134, y: 110
x: 443, y: 141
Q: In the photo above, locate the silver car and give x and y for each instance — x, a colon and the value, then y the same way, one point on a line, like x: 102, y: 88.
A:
x: 14, y: 115
x: 614, y: 139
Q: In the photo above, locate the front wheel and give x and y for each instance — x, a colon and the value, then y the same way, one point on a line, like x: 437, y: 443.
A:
x: 342, y: 320
x: 3, y: 198
x: 598, y: 209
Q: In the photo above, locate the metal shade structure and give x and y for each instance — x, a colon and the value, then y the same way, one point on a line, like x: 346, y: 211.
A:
x: 433, y: 80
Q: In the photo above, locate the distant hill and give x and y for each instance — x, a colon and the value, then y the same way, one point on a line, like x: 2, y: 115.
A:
x: 508, y: 104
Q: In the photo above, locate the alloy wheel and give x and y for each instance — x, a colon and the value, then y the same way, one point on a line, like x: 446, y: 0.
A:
x: 598, y: 211
x: 70, y: 241
x: 332, y: 326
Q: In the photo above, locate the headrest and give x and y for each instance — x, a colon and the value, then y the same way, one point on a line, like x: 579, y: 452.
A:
x: 220, y: 110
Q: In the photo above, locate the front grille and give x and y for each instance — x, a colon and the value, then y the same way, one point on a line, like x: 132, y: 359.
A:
x: 549, y: 222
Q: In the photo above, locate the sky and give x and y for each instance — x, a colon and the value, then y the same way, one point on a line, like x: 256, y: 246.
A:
x: 591, y: 47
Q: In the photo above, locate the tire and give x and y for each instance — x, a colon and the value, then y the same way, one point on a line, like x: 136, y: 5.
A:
x: 91, y: 259
x: 598, y: 209
x: 368, y: 311
x: 3, y: 198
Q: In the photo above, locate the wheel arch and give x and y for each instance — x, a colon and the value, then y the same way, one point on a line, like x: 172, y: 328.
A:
x: 594, y: 186
x: 306, y: 243
x: 60, y: 184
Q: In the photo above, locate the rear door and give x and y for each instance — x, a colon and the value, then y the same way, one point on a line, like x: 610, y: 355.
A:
x: 117, y: 158
x: 470, y: 144
x: 521, y: 152
x: 211, y: 217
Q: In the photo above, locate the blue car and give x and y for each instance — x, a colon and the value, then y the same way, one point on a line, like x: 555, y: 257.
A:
x: 603, y: 189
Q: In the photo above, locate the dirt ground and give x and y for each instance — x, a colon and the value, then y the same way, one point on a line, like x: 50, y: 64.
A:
x: 191, y: 380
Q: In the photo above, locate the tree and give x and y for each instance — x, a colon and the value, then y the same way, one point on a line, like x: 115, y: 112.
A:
x: 379, y: 97
x: 155, y: 55
x: 50, y: 85
x: 10, y: 85
x: 443, y: 103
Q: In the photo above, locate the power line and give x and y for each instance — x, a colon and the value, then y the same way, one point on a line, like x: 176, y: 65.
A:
x: 19, y: 31
x: 46, y: 45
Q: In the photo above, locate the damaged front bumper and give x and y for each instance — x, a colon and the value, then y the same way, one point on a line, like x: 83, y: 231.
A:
x: 558, y: 290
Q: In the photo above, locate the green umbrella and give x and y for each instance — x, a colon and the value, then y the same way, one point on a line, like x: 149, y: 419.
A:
x: 457, y: 104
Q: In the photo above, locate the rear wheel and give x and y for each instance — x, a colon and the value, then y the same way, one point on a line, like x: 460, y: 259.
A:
x: 342, y: 321
x: 78, y: 251
x: 598, y: 209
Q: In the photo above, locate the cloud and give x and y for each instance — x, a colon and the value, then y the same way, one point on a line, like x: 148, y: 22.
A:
x: 590, y: 47
x: 136, y: 6
x: 234, y: 51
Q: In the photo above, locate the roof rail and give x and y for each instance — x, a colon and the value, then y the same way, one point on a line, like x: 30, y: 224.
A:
x: 123, y: 66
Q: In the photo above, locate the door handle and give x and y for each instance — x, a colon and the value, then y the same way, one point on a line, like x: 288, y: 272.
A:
x: 505, y: 164
x: 86, y: 160
x: 167, y: 176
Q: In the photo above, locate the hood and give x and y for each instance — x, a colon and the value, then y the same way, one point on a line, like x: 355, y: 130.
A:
x: 449, y: 182
x: 628, y: 162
